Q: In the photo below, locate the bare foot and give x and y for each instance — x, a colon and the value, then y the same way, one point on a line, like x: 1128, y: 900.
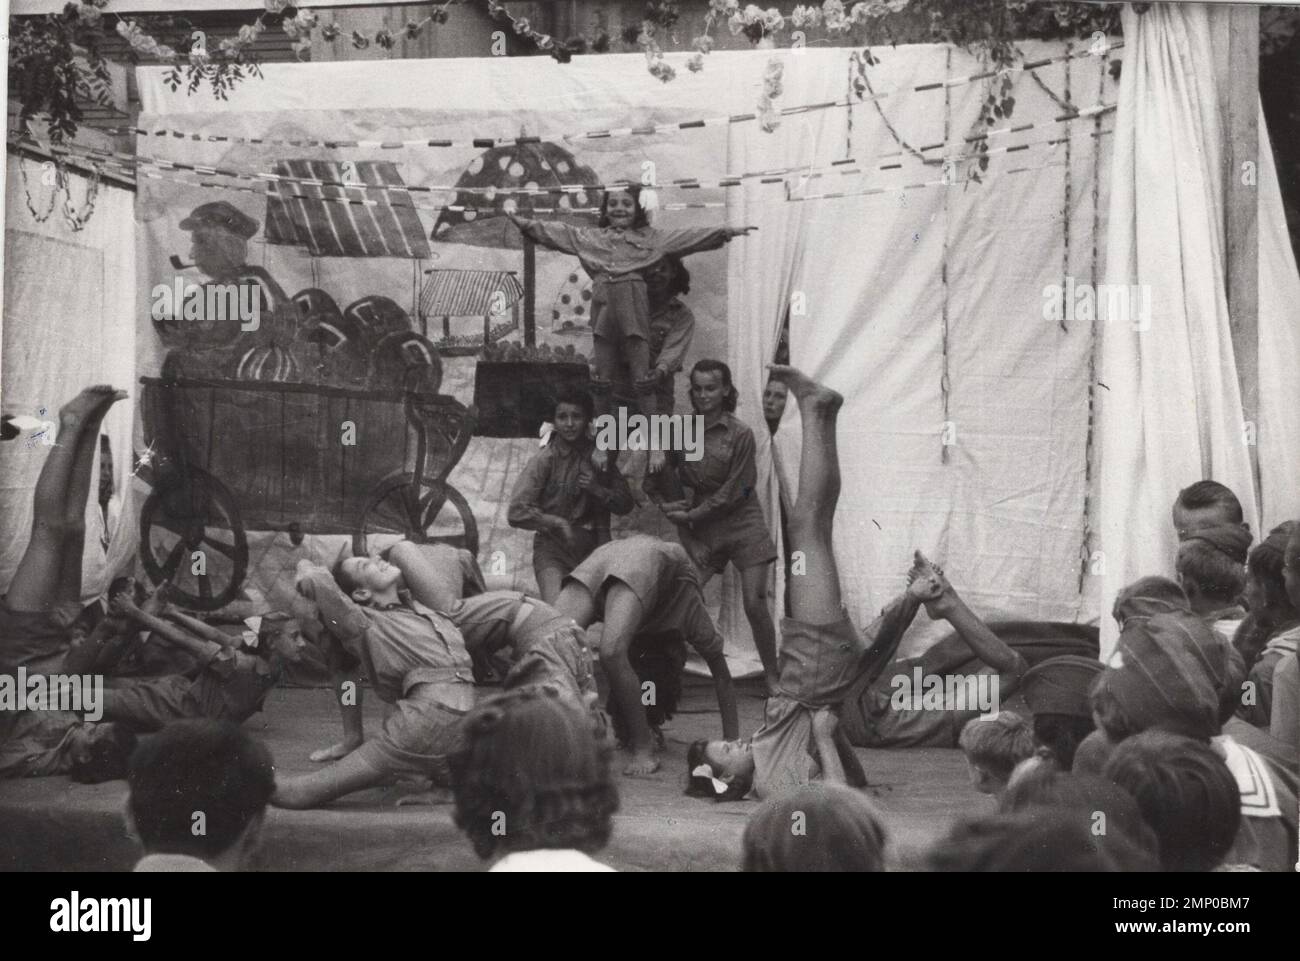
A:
x: 333, y: 752
x: 805, y: 389
x: 433, y: 796
x: 926, y: 581
x: 87, y: 403
x: 642, y: 764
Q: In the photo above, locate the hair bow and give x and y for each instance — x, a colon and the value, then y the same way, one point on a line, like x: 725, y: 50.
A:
x: 703, y: 770
x: 544, y: 433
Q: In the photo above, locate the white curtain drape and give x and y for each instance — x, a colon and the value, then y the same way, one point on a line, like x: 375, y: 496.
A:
x: 69, y: 321
x: 756, y: 311
x: 1172, y: 411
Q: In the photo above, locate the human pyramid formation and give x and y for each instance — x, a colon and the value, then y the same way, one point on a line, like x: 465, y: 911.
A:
x: 1186, y: 740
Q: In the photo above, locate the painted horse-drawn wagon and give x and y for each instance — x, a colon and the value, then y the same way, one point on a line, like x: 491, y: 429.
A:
x: 232, y: 456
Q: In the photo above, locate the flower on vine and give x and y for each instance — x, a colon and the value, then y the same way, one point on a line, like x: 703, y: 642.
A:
x: 723, y: 8
x: 661, y: 69
x: 522, y: 26
x: 736, y: 22
x: 360, y: 40
x: 200, y: 57
x: 773, y: 22
x: 703, y: 43
x: 696, y: 63
x: 834, y: 17
x: 275, y: 6
x: 250, y: 32
x: 802, y: 16
x: 897, y: 6
x: 330, y: 32
x: 385, y: 39
x: 439, y: 15
x: 544, y: 41
x: 412, y: 29
x: 90, y: 15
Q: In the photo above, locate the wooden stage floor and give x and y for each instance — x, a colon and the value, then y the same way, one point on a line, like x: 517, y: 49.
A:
x: 53, y: 824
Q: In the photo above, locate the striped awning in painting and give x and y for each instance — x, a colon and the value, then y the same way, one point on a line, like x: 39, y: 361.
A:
x: 387, y: 227
x: 468, y: 293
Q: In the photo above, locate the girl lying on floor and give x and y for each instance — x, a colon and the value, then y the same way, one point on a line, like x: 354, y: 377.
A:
x: 44, y: 598
x: 823, y: 656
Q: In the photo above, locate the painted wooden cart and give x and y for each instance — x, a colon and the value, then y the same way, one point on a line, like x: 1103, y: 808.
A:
x: 230, y: 456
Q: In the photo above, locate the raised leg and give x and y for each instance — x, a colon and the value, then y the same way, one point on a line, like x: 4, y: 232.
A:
x: 433, y: 584
x: 753, y: 582
x: 41, y: 580
x: 814, y: 595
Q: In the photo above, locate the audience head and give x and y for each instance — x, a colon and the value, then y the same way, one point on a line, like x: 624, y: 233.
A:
x: 1186, y: 793
x: 1205, y: 504
x: 99, y: 751
x: 532, y: 775
x: 1291, y: 567
x: 819, y: 827
x: 1045, y: 839
x: 721, y: 770
x: 711, y: 387
x: 1168, y: 672
x: 623, y: 207
x: 994, y: 744
x: 212, y: 768
x: 1056, y: 691
x: 1148, y: 596
x: 1266, y: 589
x: 1211, y: 566
x: 1111, y: 809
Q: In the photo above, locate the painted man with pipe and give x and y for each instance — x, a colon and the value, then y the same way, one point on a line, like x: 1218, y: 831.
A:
x: 237, y: 298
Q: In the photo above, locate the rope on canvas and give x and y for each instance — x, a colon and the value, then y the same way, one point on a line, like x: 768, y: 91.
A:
x: 487, y: 142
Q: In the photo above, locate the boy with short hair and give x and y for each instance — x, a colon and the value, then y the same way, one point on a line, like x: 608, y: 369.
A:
x: 994, y: 744
x: 1206, y: 504
x: 199, y: 773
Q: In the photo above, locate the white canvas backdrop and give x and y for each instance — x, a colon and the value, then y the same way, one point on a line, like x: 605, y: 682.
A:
x: 1173, y: 413
x: 69, y: 321
x: 1006, y: 512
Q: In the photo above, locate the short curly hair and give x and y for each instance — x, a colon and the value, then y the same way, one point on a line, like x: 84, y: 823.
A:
x: 532, y: 775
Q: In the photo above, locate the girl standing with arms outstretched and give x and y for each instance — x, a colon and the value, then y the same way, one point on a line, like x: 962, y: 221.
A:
x: 614, y: 254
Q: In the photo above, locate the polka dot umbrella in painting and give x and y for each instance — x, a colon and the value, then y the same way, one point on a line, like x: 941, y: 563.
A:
x: 484, y: 196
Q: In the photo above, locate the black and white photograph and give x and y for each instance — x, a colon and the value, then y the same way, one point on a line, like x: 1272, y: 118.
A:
x: 574, y: 436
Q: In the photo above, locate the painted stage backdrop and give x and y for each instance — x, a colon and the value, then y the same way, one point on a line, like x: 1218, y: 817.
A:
x: 280, y: 321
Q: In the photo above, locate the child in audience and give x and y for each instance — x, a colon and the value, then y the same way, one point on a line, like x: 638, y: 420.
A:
x: 1211, y: 568
x: 532, y: 784
x: 44, y: 598
x: 822, y: 654
x: 615, y: 254
x: 1169, y: 676
x: 994, y: 744
x: 1206, y: 504
x: 1056, y: 691
x: 722, y: 522
x: 818, y: 827
x: 1110, y: 810
x: 1051, y: 839
x: 565, y: 497
x: 1274, y: 625
x: 1186, y: 793
x: 206, y: 768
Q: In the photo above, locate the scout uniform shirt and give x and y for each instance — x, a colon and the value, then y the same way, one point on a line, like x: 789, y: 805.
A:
x: 400, y: 645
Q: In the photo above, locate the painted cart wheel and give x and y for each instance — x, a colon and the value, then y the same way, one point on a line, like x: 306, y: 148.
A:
x: 191, y: 534
x: 432, y: 511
